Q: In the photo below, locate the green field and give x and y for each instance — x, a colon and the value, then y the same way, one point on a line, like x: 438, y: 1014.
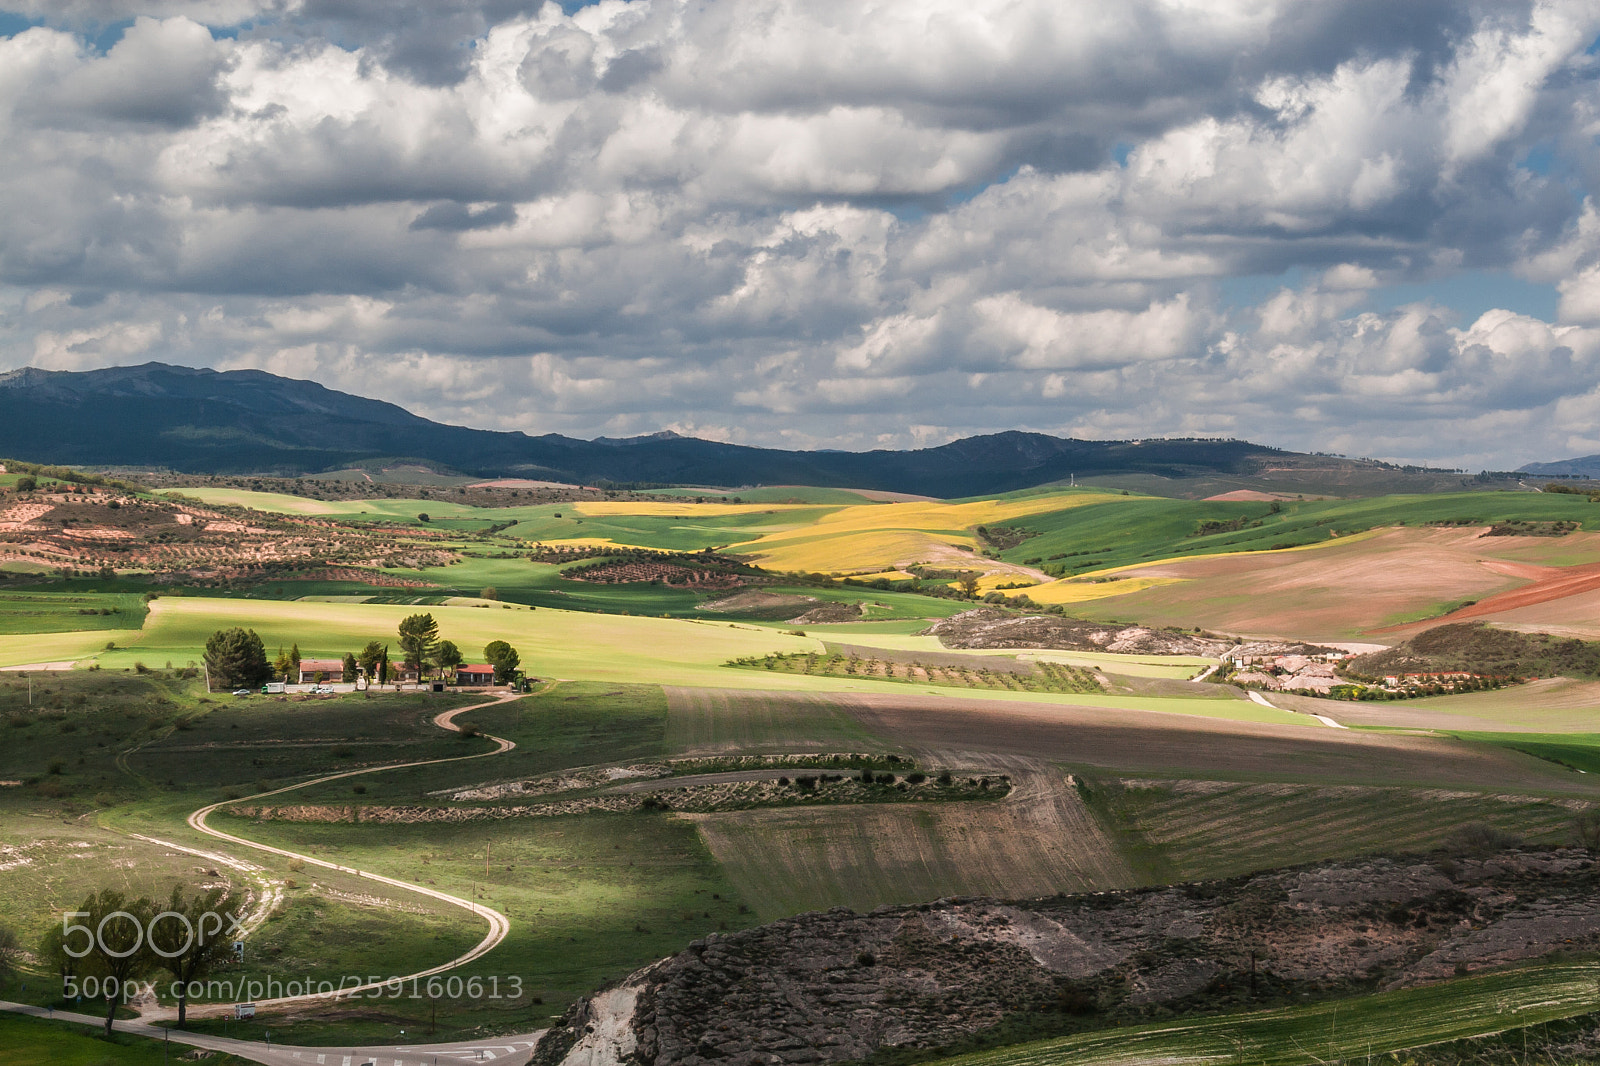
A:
x: 704, y: 721
x: 31, y: 1041
x: 1186, y: 831
x: 590, y: 898
x: 695, y: 528
x: 1139, y: 529
x: 60, y: 612
x: 576, y: 646
x: 1343, y: 1030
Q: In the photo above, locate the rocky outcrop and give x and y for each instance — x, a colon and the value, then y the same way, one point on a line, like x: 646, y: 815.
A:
x: 839, y: 986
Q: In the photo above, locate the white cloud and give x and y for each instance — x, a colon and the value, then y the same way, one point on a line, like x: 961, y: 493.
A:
x: 823, y: 222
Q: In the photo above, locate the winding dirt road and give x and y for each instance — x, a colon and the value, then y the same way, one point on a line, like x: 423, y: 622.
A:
x: 499, y: 924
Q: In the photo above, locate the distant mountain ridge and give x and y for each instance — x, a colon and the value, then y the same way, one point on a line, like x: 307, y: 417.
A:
x: 1584, y: 466
x: 249, y: 421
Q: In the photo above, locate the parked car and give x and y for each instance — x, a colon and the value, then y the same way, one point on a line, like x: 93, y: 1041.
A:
x: 241, y: 692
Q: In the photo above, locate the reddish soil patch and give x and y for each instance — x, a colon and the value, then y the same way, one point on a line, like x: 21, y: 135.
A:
x: 1328, y: 594
x: 1549, y: 583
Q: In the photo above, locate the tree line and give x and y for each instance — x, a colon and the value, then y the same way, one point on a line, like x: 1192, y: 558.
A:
x: 237, y: 658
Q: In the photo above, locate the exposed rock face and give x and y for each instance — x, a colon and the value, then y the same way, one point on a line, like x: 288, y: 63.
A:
x: 985, y: 628
x: 837, y: 986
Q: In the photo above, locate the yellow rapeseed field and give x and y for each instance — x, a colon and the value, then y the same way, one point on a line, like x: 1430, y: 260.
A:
x: 886, y: 535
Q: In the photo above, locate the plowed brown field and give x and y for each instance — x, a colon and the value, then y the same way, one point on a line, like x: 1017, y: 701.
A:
x: 1344, y: 591
x: 1183, y: 746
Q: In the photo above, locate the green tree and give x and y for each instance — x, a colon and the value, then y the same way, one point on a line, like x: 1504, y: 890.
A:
x: 418, y: 634
x: 371, y: 656
x: 446, y: 655
x: 489, y: 593
x: 282, y: 665
x: 236, y: 658
x: 106, y: 935
x: 190, y: 940
x: 349, y: 672
x: 504, y: 658
x: 10, y: 952
x: 26, y: 484
x: 294, y: 661
x: 969, y: 585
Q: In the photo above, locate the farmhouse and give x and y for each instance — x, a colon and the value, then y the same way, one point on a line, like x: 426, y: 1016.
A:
x: 321, y: 670
x: 478, y: 674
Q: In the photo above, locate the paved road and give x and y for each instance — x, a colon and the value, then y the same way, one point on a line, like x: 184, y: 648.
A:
x: 507, y: 1050
x: 499, y: 924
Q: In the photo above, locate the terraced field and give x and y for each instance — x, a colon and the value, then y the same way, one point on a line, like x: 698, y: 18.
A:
x: 1039, y: 840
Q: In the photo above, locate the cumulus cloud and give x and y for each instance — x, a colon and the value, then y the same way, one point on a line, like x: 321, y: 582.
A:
x: 825, y: 223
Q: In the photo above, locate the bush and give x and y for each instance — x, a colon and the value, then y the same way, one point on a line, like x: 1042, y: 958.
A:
x: 1586, y: 827
x: 1480, y: 838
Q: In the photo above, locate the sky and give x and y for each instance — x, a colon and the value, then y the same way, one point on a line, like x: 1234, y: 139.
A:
x: 1365, y: 227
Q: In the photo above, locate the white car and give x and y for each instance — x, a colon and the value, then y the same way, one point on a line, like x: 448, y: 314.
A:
x: 241, y: 692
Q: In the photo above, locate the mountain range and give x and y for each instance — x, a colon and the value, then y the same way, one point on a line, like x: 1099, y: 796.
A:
x: 248, y: 421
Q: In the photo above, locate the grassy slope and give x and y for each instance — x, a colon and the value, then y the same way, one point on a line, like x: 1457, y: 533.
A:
x: 1183, y: 831
x: 579, y: 646
x: 30, y: 1041
x: 590, y: 897
x: 1348, y: 1029
x: 1140, y: 529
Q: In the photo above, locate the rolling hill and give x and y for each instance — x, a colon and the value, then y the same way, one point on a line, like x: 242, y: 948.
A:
x: 249, y: 421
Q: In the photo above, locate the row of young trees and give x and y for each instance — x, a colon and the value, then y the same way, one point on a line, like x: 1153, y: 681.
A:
x: 237, y: 657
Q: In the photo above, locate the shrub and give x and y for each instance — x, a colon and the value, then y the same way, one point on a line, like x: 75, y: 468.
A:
x: 1480, y: 838
x: 1586, y: 827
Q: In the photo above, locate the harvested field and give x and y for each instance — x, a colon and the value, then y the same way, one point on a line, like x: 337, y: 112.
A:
x: 1185, y: 746
x: 1192, y: 830
x: 714, y: 721
x: 1338, y: 592
x: 1038, y: 841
